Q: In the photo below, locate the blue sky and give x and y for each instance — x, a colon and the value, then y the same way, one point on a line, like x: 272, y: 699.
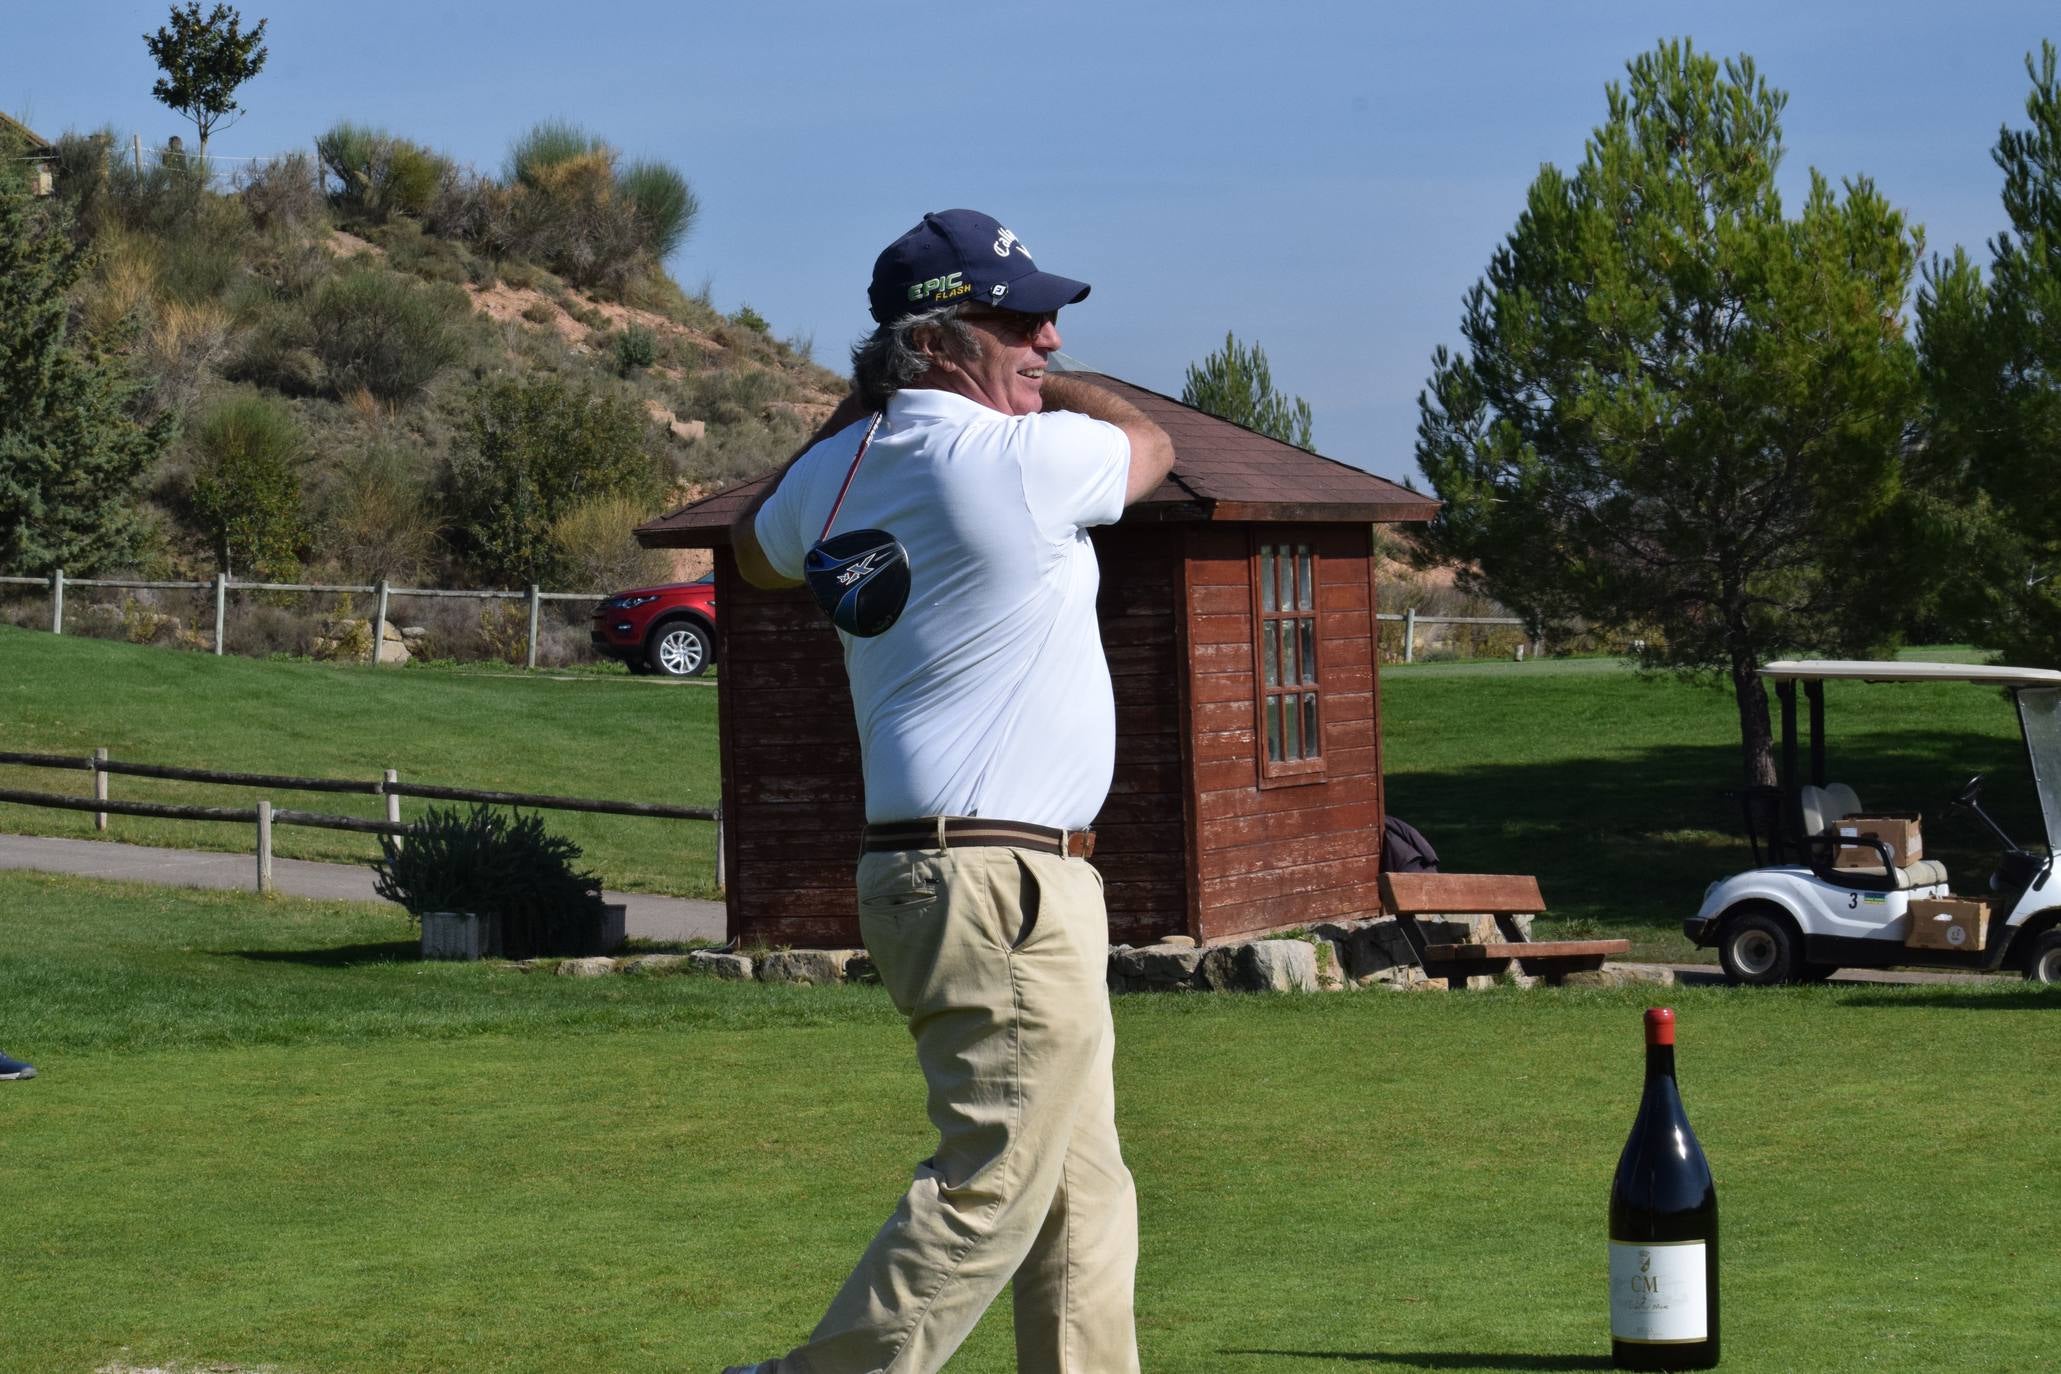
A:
x: 1326, y: 179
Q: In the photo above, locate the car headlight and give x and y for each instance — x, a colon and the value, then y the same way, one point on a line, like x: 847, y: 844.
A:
x: 624, y: 603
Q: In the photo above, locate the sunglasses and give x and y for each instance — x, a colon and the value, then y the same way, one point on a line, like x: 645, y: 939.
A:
x: 1018, y: 324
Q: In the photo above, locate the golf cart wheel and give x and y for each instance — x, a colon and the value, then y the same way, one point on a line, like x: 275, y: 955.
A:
x: 2043, y: 964
x: 1759, y: 949
x: 681, y: 648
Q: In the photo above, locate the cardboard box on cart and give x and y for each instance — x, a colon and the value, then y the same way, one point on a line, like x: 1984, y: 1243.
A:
x: 1900, y: 833
x: 1956, y: 923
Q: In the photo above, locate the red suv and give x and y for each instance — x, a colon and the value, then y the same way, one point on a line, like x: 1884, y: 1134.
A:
x: 669, y: 630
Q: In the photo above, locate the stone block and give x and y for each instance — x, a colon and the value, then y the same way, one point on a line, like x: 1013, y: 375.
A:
x: 1366, y: 947
x: 1164, y: 965
x: 859, y: 968
x: 599, y: 966
x: 1276, y: 966
x: 735, y: 967
x: 812, y: 966
x: 653, y: 964
x: 1620, y: 975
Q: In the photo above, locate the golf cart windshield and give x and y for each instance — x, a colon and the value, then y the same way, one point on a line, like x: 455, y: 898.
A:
x: 2039, y: 709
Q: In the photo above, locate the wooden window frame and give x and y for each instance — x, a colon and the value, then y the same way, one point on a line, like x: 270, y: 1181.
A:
x: 1300, y: 544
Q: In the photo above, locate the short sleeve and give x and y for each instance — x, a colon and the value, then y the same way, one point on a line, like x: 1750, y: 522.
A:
x: 1074, y: 470
x: 778, y: 525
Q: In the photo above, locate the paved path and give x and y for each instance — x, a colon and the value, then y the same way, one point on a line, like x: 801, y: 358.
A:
x: 1711, y: 973
x: 649, y: 917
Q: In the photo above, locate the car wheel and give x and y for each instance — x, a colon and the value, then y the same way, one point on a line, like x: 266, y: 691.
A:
x: 1759, y: 950
x: 2043, y: 963
x: 681, y: 648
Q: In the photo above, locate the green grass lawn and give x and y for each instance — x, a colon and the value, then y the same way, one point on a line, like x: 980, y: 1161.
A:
x: 580, y: 734
x: 264, y: 1138
x: 1608, y: 786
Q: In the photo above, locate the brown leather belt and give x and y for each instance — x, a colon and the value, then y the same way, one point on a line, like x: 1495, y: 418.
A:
x: 953, y: 832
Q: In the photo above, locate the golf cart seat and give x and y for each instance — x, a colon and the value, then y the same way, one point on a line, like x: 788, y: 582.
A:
x: 1823, y: 808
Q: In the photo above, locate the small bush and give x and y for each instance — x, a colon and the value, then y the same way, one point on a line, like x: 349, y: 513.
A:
x: 666, y: 205
x: 752, y: 320
x: 548, y: 144
x: 374, y: 330
x: 247, y: 487
x: 597, y: 551
x: 375, y: 520
x: 378, y: 176
x: 279, y: 352
x: 636, y: 348
x: 489, y: 863
x: 284, y: 193
x: 539, y: 312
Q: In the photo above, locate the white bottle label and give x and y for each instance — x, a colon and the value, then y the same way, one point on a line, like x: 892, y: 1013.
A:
x: 1657, y: 1292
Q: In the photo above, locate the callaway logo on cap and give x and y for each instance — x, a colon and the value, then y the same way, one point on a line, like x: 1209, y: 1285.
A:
x: 958, y: 255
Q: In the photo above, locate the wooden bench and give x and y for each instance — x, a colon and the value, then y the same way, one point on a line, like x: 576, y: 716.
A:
x: 1411, y: 896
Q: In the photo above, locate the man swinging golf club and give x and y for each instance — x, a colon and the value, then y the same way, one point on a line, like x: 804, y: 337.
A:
x: 941, y: 520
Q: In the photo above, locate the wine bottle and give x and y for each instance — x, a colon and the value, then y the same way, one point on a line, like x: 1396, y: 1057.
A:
x: 1663, y: 1228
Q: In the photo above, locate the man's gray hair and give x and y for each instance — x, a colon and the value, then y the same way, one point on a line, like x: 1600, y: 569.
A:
x: 894, y: 355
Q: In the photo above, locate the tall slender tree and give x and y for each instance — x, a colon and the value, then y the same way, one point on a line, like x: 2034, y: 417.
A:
x: 1680, y: 414
x: 70, y: 454
x: 1236, y: 384
x: 1990, y: 357
x: 204, y: 60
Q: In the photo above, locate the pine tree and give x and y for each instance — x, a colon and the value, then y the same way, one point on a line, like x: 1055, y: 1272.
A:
x: 1680, y: 415
x: 1236, y: 384
x: 1990, y: 356
x: 70, y: 454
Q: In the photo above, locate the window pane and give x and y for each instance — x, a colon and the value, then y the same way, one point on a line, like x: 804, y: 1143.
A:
x: 1267, y: 598
x: 1290, y: 675
x: 1306, y: 590
x: 1309, y: 655
x: 1311, y: 740
x: 1269, y: 645
x: 1291, y: 728
x: 1274, y: 729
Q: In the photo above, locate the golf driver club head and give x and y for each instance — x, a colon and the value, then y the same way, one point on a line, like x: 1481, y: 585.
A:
x: 861, y: 580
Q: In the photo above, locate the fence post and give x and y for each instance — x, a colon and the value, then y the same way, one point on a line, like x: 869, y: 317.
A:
x: 264, y: 845
x: 99, y: 788
x: 136, y: 151
x: 379, y: 624
x: 221, y: 608
x: 533, y: 625
x: 393, y: 802
x: 1410, y: 635
x: 57, y: 602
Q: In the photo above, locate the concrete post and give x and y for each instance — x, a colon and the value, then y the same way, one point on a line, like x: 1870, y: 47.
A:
x: 534, y: 600
x: 221, y: 608
x: 1410, y: 635
x: 99, y: 788
x: 57, y: 602
x: 379, y: 623
x: 393, y: 803
x: 264, y: 845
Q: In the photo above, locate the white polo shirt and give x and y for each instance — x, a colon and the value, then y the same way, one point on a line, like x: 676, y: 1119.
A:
x: 990, y: 696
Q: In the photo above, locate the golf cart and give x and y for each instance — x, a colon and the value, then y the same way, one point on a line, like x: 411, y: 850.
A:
x: 1820, y: 900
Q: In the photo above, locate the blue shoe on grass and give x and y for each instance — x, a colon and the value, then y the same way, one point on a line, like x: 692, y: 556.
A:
x: 14, y: 1068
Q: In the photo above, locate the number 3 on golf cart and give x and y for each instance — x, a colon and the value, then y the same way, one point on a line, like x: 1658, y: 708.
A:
x: 1843, y: 886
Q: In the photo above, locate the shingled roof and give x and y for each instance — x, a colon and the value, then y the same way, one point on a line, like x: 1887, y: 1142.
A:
x: 1222, y: 471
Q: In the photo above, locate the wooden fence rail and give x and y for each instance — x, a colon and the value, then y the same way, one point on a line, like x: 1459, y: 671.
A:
x: 264, y: 815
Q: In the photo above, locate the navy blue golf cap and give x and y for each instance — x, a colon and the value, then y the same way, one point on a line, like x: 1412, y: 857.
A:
x: 963, y: 255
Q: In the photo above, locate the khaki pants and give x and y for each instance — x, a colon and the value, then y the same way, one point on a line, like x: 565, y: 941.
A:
x: 998, y: 959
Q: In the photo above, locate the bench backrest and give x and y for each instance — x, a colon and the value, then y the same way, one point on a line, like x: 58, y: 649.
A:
x: 1461, y: 894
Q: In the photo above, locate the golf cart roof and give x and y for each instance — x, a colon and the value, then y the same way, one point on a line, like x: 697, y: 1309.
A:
x: 1867, y: 670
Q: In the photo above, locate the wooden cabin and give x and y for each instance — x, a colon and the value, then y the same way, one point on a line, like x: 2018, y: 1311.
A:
x: 31, y: 152
x: 1238, y: 615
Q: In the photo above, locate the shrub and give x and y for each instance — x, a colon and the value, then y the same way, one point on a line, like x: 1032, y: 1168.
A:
x: 539, y: 312
x: 531, y: 451
x: 374, y: 518
x: 548, y: 144
x: 596, y: 550
x: 279, y: 352
x: 752, y: 320
x: 666, y: 205
x: 636, y: 348
x: 284, y: 193
x: 247, y: 486
x: 373, y: 329
x: 488, y: 863
x: 378, y: 176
